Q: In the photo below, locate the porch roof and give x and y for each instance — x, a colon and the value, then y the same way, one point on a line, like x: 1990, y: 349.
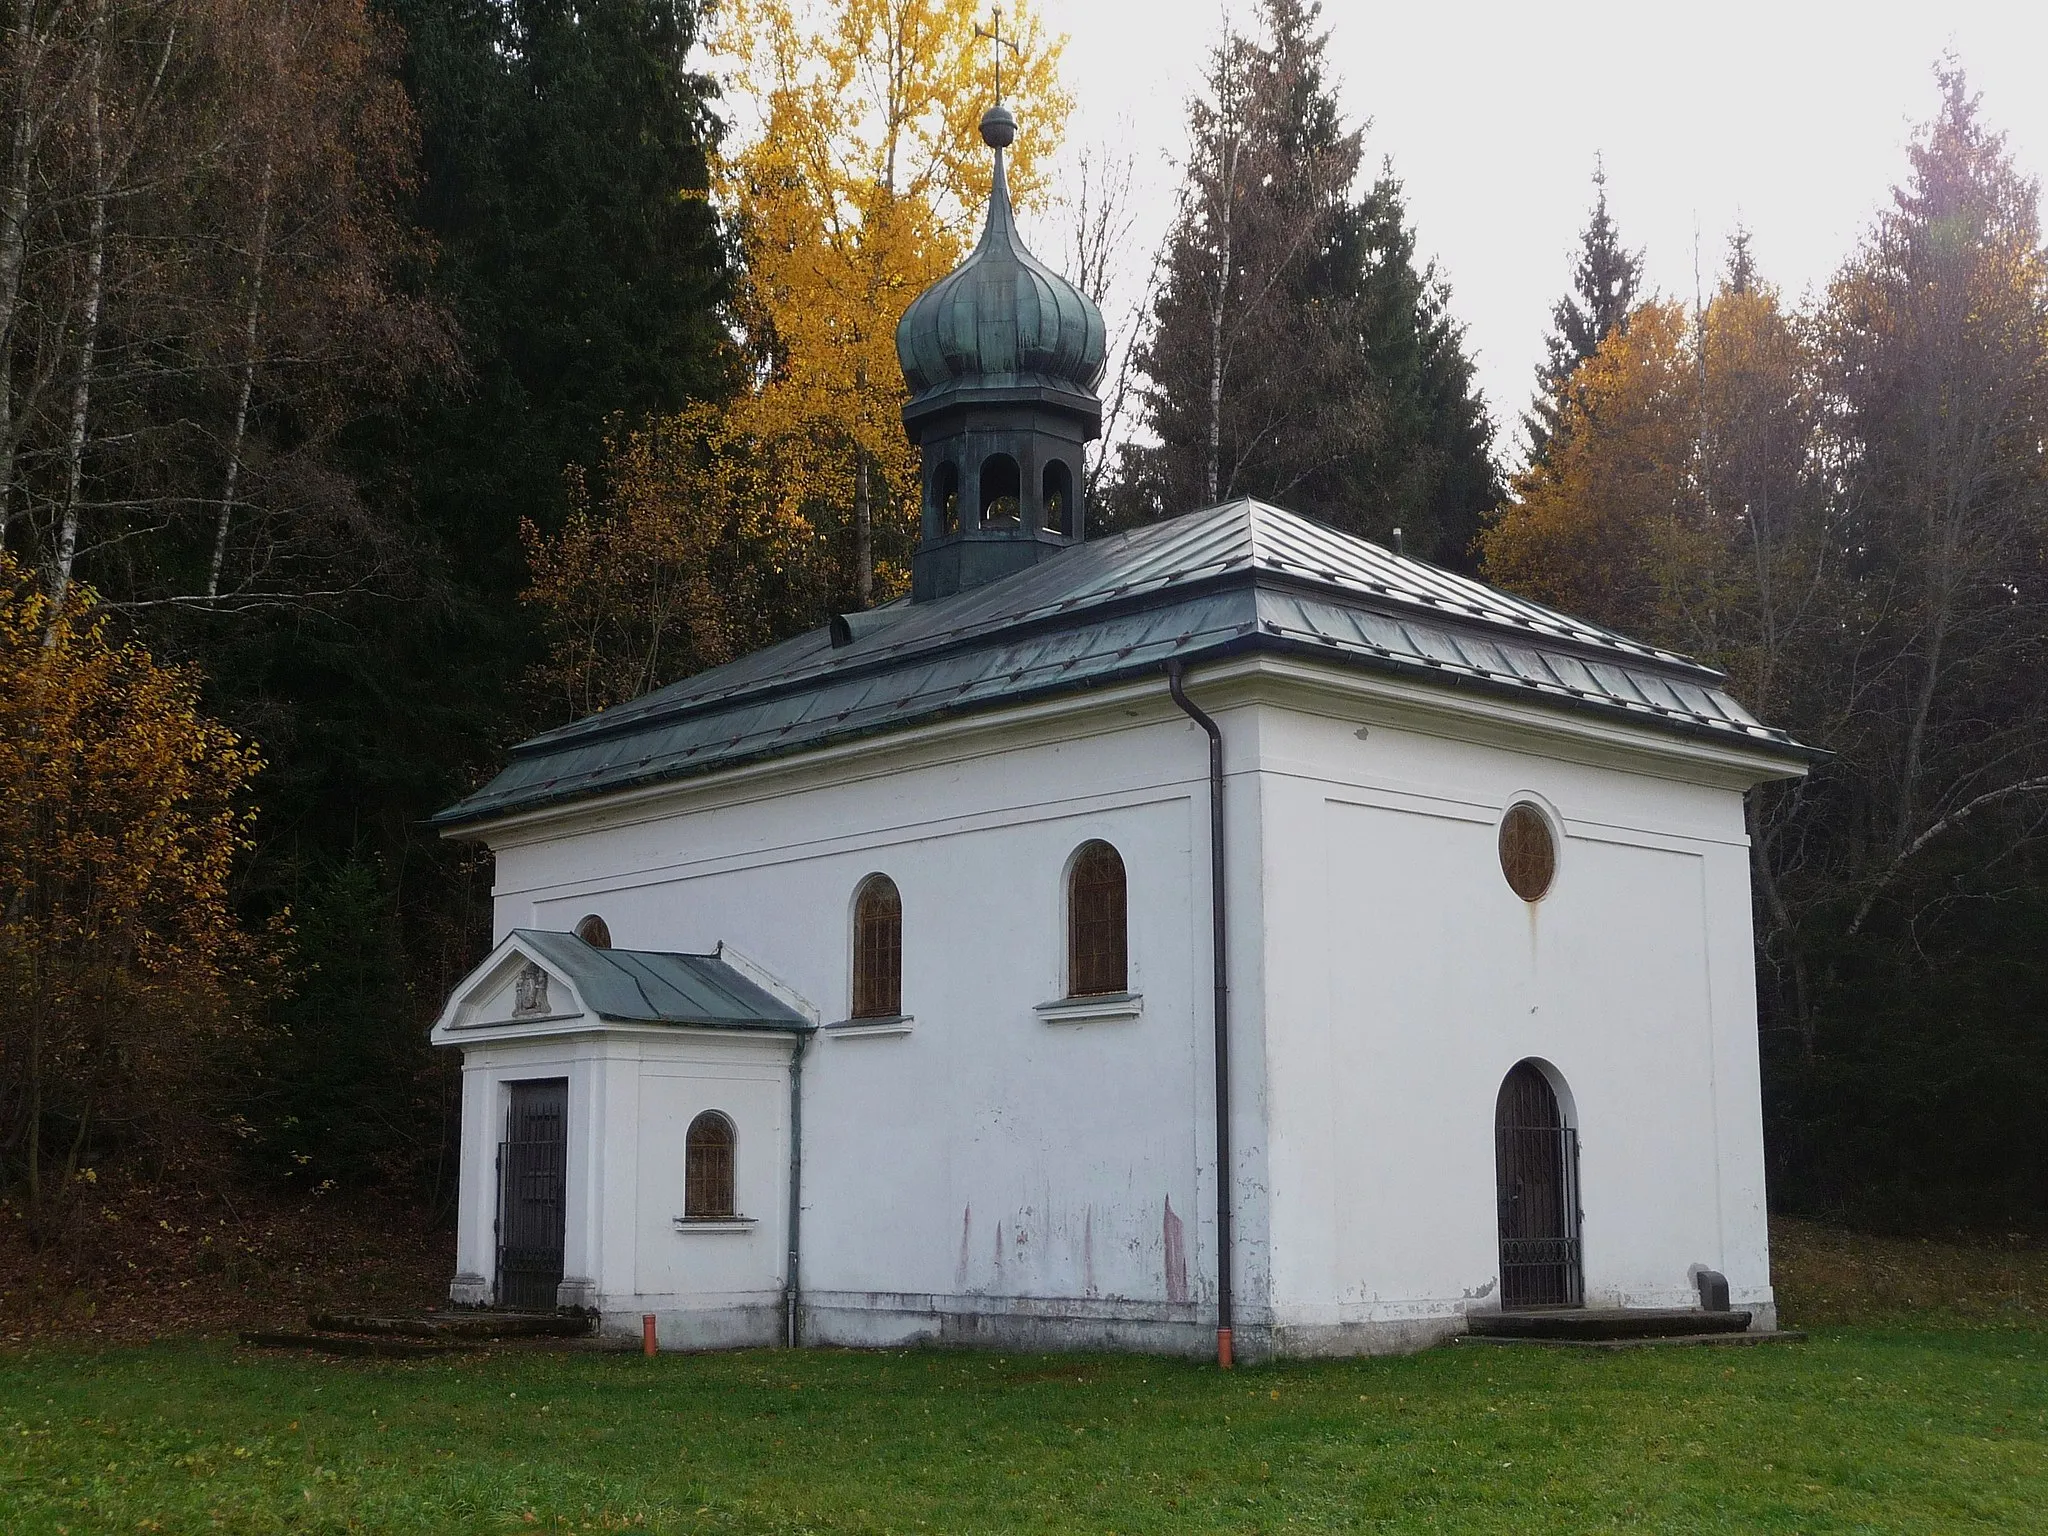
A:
x: 646, y: 986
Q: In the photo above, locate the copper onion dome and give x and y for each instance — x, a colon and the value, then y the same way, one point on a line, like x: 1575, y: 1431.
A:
x: 1001, y: 319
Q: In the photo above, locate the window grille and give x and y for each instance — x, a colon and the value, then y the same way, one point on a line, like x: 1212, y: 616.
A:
x: 1528, y: 852
x: 1098, y: 945
x: 1536, y: 1166
x: 594, y: 931
x: 877, y: 950
x: 707, y: 1169
x: 532, y: 1168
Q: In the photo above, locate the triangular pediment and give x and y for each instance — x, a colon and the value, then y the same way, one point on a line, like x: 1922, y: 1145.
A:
x: 515, y: 988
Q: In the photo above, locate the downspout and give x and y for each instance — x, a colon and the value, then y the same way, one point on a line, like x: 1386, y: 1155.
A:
x: 1217, y: 932
x: 792, y: 1296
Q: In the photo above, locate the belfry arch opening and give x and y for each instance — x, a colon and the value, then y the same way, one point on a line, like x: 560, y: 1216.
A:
x: 946, y: 498
x: 1056, y: 498
x: 1536, y: 1177
x: 1002, y: 485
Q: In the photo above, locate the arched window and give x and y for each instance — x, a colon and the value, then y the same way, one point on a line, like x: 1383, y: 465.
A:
x: 1056, y: 490
x: 1528, y: 851
x: 1098, y: 944
x: 594, y: 932
x: 1002, y: 483
x: 877, y: 950
x: 946, y: 496
x: 707, y: 1169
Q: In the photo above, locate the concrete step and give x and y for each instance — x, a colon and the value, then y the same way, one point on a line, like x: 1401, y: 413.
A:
x: 419, y: 1336
x: 356, y: 1346
x: 454, y: 1325
x: 1606, y: 1324
x: 1656, y: 1341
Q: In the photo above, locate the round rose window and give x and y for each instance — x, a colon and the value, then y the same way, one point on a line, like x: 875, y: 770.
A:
x: 1528, y: 852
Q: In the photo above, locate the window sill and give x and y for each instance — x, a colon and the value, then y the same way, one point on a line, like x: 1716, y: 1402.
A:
x: 714, y: 1223
x: 897, y: 1024
x: 1106, y: 1008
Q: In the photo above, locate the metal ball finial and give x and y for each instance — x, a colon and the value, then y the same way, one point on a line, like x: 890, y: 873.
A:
x: 998, y: 127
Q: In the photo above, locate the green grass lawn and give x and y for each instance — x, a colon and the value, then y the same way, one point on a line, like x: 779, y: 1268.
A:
x: 1861, y: 1430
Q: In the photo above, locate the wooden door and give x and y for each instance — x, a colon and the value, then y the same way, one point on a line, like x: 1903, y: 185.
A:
x: 532, y: 1167
x: 1536, y: 1168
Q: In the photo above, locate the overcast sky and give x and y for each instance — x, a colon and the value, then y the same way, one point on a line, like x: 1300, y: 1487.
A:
x: 1792, y: 116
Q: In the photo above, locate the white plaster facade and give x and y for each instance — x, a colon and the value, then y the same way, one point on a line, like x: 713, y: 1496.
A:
x: 991, y: 1171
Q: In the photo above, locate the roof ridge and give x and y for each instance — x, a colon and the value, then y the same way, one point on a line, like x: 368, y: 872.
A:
x: 1457, y: 599
x: 1108, y: 610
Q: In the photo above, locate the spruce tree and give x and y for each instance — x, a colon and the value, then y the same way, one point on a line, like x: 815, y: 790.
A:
x: 1606, y: 279
x: 1296, y: 351
x: 566, y: 149
x: 564, y: 168
x: 1741, y: 274
x: 1431, y: 471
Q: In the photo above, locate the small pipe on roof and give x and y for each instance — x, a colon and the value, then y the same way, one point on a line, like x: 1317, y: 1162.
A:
x: 1218, y: 933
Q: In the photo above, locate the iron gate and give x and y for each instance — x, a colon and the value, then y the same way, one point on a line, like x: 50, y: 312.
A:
x: 1536, y: 1162
x: 532, y: 1168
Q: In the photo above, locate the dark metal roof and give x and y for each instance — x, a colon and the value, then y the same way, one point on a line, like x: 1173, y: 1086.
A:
x: 648, y: 987
x: 1243, y: 576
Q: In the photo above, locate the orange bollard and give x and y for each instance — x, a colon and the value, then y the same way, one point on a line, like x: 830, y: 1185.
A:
x: 647, y: 1334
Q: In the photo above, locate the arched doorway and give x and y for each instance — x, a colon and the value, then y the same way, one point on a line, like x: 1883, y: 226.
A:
x: 1536, y: 1173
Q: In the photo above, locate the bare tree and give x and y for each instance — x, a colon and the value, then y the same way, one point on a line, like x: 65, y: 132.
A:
x: 1938, y: 330
x: 1100, y: 218
x: 201, y: 248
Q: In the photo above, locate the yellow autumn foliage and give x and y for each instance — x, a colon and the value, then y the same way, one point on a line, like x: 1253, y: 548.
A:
x: 1585, y: 527
x: 690, y: 560
x: 719, y: 528
x: 860, y: 189
x: 122, y: 811
x: 1669, y: 504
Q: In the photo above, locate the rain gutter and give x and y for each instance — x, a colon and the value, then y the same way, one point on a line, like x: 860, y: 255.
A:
x: 1218, y: 933
x: 792, y: 1289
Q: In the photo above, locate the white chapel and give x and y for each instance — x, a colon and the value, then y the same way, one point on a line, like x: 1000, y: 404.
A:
x: 1229, y: 932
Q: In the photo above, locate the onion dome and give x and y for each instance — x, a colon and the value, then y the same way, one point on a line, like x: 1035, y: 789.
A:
x: 1002, y: 320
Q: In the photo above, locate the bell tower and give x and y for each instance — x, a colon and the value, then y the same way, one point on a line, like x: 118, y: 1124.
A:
x: 1001, y: 357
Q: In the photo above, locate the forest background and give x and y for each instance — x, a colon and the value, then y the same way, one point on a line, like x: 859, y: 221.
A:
x: 384, y: 380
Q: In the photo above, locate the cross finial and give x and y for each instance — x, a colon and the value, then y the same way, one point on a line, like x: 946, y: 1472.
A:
x: 994, y: 33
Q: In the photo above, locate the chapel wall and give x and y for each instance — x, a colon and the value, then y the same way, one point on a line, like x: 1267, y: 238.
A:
x: 984, y: 1160
x: 1405, y: 978
x: 631, y: 1098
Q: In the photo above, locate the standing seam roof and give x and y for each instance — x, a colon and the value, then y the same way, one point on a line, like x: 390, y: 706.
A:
x: 1238, y: 577
x: 652, y: 987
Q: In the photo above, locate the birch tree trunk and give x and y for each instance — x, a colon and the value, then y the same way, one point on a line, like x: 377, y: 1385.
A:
x: 89, y: 322
x: 251, y: 323
x: 1219, y: 297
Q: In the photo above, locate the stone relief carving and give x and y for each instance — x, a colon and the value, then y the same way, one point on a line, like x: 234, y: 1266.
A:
x: 530, y: 991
